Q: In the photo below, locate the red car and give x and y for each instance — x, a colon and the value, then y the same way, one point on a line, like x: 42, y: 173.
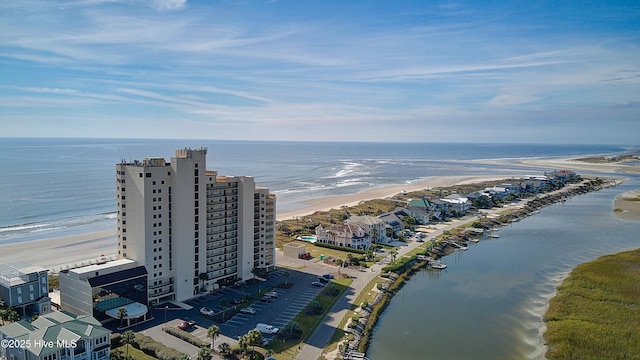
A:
x: 187, y: 325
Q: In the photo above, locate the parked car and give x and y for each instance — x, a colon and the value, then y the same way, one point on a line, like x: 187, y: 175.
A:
x: 266, y: 298
x: 187, y: 325
x: 267, y: 329
x: 323, y: 280
x: 235, y: 301
x: 248, y: 310
x: 206, y: 311
x: 273, y: 294
x: 328, y: 276
x: 317, y: 284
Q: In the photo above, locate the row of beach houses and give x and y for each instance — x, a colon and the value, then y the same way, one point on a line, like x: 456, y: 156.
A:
x: 361, y: 231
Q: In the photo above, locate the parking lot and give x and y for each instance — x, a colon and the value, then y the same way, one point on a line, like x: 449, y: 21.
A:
x: 278, y: 312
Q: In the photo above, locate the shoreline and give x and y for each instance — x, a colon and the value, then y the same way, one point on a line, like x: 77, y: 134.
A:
x: 61, y: 251
x: 338, y: 201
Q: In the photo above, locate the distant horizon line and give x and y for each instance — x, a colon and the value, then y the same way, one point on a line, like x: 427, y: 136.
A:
x: 317, y: 141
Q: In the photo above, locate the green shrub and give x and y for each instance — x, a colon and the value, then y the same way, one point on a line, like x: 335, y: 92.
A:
x: 149, y: 347
x: 183, y: 335
x: 341, y: 248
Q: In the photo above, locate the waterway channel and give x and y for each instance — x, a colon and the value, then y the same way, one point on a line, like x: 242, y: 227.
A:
x: 489, y: 302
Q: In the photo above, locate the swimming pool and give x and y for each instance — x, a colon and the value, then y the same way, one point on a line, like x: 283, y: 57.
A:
x: 311, y: 239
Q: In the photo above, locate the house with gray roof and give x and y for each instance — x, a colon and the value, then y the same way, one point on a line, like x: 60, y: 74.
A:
x: 373, y: 226
x: 392, y: 221
x: 58, y: 335
x: 25, y: 287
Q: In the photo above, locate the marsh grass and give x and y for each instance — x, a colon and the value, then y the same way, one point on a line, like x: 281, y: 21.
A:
x: 596, y: 312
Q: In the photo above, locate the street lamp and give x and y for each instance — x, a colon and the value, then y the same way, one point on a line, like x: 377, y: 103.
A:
x: 165, y: 315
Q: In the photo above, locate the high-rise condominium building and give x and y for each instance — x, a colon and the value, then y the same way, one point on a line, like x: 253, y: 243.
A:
x: 191, y: 228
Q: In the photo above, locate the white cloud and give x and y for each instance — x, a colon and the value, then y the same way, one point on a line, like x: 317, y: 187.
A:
x: 511, y: 97
x: 168, y: 5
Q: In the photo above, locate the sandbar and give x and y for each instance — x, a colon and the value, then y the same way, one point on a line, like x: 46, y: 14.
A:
x: 627, y: 205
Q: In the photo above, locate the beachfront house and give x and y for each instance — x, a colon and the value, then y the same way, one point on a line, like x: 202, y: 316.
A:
x: 421, y: 215
x: 393, y: 222
x: 561, y: 175
x: 512, y: 188
x: 456, y: 204
x: 497, y: 192
x: 374, y: 227
x: 423, y: 210
x: 25, y: 287
x: 347, y: 235
x: 57, y: 335
x: 534, y: 183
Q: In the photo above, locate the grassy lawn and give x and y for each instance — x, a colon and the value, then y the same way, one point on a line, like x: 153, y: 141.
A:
x: 135, y: 353
x: 367, y: 295
x: 596, y: 312
x: 289, y: 349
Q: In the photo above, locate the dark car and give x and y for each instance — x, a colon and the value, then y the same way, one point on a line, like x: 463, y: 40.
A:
x: 328, y: 276
x: 235, y: 301
x: 323, y: 280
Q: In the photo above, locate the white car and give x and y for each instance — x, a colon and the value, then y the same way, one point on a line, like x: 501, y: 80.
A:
x: 206, y: 311
x: 267, y: 329
x: 272, y: 294
x: 248, y: 310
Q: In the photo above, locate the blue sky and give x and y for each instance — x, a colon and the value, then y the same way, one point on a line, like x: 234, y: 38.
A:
x: 432, y: 71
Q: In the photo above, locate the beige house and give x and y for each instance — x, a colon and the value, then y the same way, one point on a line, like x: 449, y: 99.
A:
x: 373, y: 226
x: 347, y: 235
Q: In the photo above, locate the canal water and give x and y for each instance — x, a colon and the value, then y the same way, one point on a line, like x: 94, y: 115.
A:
x: 489, y: 302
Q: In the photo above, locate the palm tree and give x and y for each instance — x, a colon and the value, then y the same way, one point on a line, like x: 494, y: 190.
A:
x: 204, y: 354
x: 127, y: 338
x: 203, y: 276
x: 286, y: 276
x: 122, y: 313
x: 394, y: 252
x: 213, y: 332
x: 349, y: 259
x: 243, y: 343
x: 9, y: 314
x: 332, y: 234
x: 253, y: 338
x: 224, y: 348
x: 375, y: 234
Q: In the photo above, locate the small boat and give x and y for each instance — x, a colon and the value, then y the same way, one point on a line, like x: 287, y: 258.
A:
x: 437, y: 265
x: 473, y: 240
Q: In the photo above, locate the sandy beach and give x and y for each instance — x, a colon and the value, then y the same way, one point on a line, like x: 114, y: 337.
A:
x: 63, y: 252
x: 334, y: 202
x: 75, y: 250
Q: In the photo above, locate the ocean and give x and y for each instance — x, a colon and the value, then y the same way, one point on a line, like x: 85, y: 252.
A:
x: 53, y: 187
